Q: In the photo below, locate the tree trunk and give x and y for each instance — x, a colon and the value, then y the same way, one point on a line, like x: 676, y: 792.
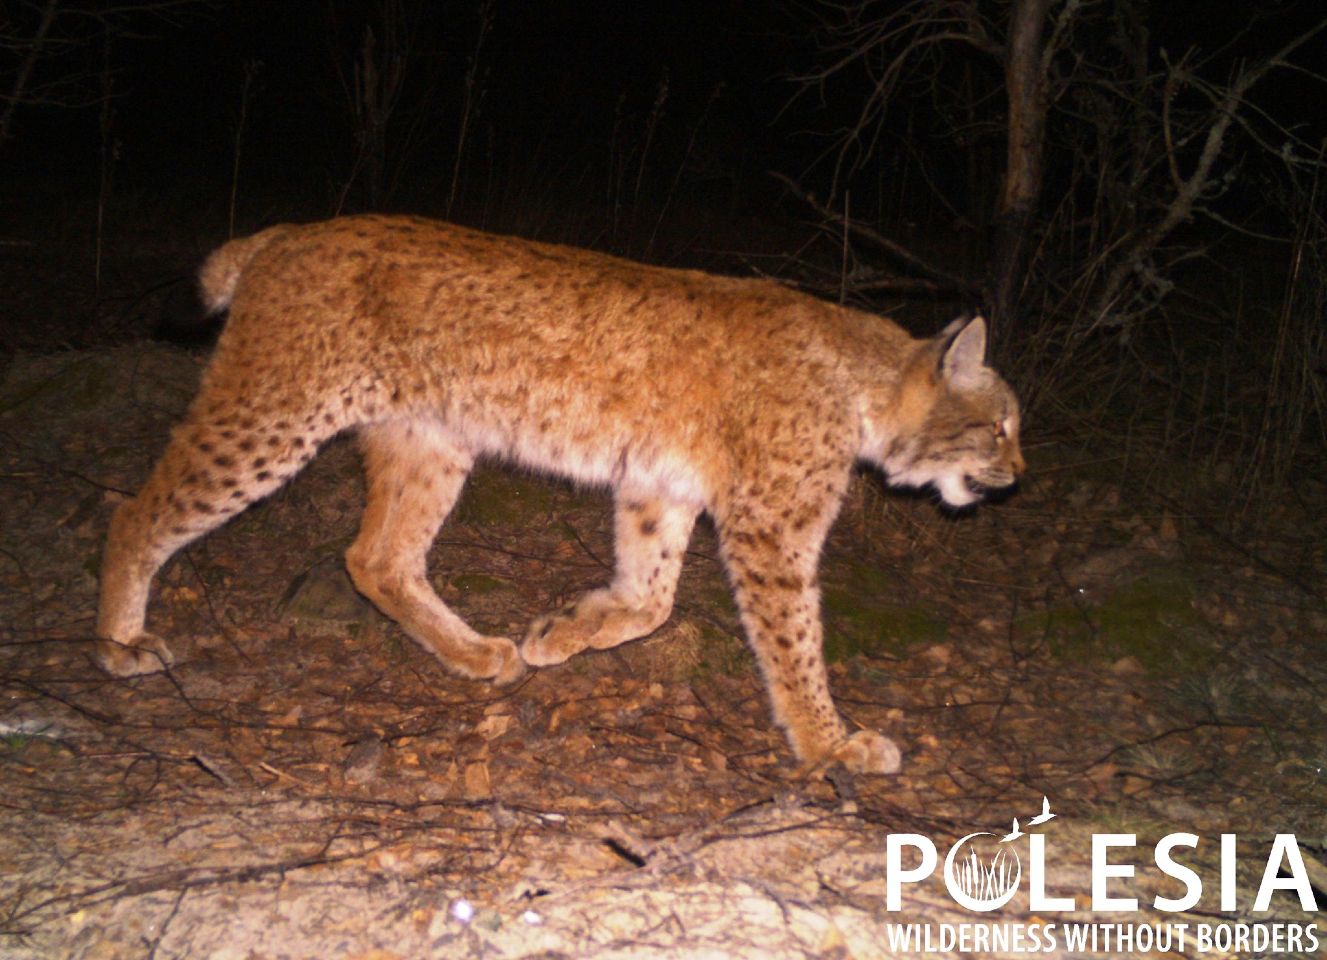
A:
x: 1026, y: 88
x: 35, y: 48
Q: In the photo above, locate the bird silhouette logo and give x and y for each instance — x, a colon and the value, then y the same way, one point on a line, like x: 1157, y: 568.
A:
x: 1044, y: 815
x: 1013, y: 834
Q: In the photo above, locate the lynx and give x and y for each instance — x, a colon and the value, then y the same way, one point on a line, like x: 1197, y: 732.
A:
x: 682, y: 391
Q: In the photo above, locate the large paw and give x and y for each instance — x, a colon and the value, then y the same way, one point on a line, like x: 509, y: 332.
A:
x: 146, y: 654
x: 597, y: 621
x: 482, y: 658
x: 553, y: 638
x: 868, y: 752
x: 510, y: 665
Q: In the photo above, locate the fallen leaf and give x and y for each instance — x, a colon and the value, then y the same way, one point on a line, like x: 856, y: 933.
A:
x: 477, y: 783
x: 493, y: 726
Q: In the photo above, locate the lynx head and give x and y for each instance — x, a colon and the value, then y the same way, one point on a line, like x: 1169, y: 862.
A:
x: 957, y: 422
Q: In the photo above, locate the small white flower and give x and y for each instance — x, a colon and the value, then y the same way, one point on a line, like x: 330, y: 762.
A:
x: 463, y: 910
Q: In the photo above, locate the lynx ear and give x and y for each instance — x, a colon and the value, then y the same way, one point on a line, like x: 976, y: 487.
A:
x: 965, y: 357
x: 953, y: 327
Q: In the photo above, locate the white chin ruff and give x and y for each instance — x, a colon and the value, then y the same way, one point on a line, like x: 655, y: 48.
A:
x: 954, y: 489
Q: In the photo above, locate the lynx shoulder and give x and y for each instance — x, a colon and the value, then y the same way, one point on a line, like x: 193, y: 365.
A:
x: 685, y: 392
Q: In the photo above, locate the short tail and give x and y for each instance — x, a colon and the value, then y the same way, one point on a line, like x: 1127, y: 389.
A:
x: 221, y: 271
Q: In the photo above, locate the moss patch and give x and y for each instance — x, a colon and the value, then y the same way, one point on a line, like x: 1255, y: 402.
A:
x: 1151, y: 619
x: 859, y: 619
x: 720, y: 653
x: 492, y: 497
x: 477, y: 583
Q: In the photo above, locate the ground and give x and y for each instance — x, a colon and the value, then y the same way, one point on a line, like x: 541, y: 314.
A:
x: 307, y: 783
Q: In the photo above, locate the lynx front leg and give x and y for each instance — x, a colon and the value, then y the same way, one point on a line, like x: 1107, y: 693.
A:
x: 773, y: 568
x: 651, y: 538
x: 414, y: 477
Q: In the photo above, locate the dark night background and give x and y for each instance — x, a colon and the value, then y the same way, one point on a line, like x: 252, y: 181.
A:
x: 654, y: 130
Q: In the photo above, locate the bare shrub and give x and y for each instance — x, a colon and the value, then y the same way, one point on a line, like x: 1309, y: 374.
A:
x: 1127, y: 173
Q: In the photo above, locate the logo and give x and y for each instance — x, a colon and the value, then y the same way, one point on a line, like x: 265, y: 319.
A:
x: 983, y: 871
x: 983, y: 876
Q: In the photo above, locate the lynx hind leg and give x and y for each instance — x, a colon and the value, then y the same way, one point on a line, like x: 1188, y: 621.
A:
x: 773, y: 569
x: 651, y: 538
x: 216, y: 464
x: 414, y: 477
